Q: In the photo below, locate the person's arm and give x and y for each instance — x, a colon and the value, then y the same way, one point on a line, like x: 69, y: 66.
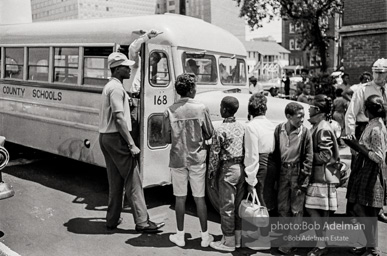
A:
x: 347, y: 94
x: 324, y: 145
x: 207, y: 127
x: 305, y: 172
x: 251, y: 160
x: 214, y: 159
x: 117, y: 105
x: 123, y: 129
x: 376, y: 154
x: 166, y: 128
x: 135, y: 47
x: 353, y: 110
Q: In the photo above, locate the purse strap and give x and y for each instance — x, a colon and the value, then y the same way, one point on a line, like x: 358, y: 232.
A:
x: 254, y: 197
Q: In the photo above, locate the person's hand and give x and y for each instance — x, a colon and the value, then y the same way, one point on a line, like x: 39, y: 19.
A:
x: 152, y: 34
x: 250, y: 189
x: 135, y: 150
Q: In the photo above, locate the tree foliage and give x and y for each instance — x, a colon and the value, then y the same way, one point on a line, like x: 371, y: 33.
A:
x: 310, y: 17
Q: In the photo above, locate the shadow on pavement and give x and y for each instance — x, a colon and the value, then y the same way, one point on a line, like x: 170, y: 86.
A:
x: 88, y: 183
x: 93, y: 226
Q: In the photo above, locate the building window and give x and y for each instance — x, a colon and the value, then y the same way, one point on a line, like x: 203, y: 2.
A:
x: 291, y: 44
x: 107, y: 9
x: 291, y: 28
x: 171, y: 3
x: 297, y: 45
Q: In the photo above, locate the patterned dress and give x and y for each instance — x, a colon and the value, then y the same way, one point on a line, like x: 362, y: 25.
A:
x: 365, y: 186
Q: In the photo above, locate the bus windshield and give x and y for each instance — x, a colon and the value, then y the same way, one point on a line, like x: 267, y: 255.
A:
x: 202, y: 65
x: 232, y: 70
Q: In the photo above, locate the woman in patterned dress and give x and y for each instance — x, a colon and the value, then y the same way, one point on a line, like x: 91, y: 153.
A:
x: 366, y: 184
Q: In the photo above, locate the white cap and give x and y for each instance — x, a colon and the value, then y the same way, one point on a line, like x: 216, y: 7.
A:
x: 116, y: 59
x: 380, y: 66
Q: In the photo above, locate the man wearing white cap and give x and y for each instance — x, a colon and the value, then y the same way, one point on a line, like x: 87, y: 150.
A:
x: 355, y: 118
x: 119, y: 150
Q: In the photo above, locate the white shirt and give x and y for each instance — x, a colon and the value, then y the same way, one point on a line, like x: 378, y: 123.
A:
x: 355, y: 111
x: 134, y: 52
x: 259, y: 138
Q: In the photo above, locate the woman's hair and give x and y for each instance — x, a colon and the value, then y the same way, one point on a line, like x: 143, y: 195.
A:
x: 257, y: 105
x: 325, y: 104
x: 184, y: 83
x: 374, y: 104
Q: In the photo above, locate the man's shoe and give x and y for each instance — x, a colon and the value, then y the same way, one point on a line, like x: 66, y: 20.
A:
x: 178, y: 240
x: 358, y: 251
x: 287, y: 250
x: 150, y: 228
x: 382, y: 217
x: 115, y: 226
x: 318, y: 251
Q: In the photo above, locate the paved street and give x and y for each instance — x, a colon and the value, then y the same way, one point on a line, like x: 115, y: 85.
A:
x: 60, y: 205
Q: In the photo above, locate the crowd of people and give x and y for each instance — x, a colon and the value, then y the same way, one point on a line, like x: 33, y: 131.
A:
x: 285, y: 164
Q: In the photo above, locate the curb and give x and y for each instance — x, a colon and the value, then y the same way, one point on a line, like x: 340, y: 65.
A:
x: 5, y: 251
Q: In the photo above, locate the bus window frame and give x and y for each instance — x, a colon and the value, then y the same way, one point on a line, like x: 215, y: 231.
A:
x: 79, y: 65
x: 96, y: 57
x: 211, y: 54
x: 149, y: 130
x: 236, y: 58
x: 50, y: 84
x: 36, y: 66
x: 168, y: 66
x: 23, y: 66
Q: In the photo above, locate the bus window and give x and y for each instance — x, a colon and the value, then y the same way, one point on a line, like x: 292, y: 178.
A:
x: 232, y: 70
x: 202, y: 65
x: 66, y: 65
x: 158, y: 69
x: 38, y: 64
x: 155, y: 137
x: 14, y: 62
x: 96, y: 71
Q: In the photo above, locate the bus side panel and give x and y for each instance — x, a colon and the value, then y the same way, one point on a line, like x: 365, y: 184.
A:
x: 57, y: 121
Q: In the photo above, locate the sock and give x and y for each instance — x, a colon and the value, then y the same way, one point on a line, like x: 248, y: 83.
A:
x: 180, y: 233
x: 205, y: 234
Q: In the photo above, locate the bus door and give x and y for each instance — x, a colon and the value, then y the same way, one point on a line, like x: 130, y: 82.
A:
x: 157, y: 95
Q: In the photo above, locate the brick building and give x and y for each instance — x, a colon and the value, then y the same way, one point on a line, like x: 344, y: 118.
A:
x: 300, y: 59
x: 363, y: 35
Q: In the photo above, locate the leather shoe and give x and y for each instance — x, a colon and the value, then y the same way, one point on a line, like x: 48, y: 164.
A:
x: 150, y: 228
x: 115, y: 226
x: 382, y: 217
x: 358, y: 251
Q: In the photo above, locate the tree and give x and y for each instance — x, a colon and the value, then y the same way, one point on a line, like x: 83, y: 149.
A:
x: 310, y: 17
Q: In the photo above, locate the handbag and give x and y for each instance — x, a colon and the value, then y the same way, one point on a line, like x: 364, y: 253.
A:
x: 336, y: 173
x: 253, y: 212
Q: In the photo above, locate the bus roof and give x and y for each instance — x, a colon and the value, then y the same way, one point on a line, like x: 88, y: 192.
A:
x: 177, y: 30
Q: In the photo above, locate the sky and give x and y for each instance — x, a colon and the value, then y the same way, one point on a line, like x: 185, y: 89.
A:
x: 273, y: 28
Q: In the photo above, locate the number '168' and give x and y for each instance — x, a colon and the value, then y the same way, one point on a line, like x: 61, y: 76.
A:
x: 160, y: 100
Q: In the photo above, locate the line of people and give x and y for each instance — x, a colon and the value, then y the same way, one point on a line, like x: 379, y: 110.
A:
x: 285, y: 164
